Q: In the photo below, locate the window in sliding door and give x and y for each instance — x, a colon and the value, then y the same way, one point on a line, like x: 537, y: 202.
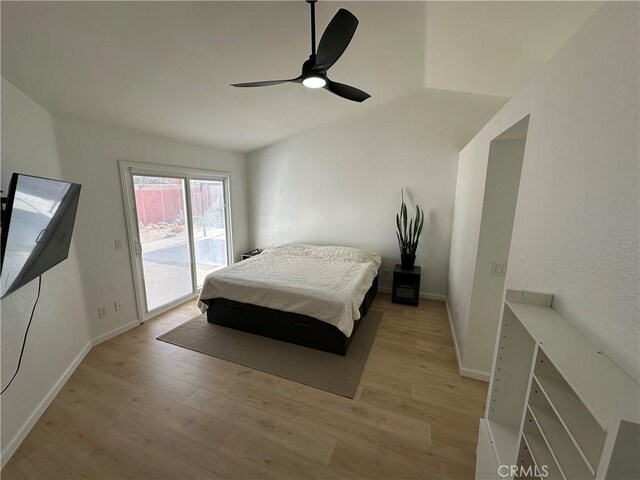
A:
x: 209, y: 226
x: 164, y: 240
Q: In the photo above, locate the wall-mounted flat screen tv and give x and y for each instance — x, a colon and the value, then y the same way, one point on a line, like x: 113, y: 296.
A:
x: 36, y: 228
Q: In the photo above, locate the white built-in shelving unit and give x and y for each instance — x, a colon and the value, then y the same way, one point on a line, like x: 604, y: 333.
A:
x: 557, y: 407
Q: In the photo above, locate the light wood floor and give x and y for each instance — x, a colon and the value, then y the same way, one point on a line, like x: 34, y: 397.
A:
x: 140, y: 408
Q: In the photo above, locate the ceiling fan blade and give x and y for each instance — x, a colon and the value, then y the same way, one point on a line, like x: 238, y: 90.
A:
x: 335, y: 39
x: 267, y: 83
x: 346, y: 91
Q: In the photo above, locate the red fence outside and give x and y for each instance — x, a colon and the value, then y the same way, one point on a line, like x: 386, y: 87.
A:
x: 155, y: 205
x: 165, y: 203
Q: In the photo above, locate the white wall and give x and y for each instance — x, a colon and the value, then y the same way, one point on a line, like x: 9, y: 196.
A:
x: 340, y: 183
x: 59, y: 334
x: 576, y: 224
x: 498, y: 212
x: 89, y: 153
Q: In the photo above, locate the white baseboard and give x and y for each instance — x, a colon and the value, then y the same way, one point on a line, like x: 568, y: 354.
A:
x: 11, y: 447
x: 114, y: 333
x: 465, y: 372
x: 430, y: 296
x: 477, y: 374
x: 453, y: 335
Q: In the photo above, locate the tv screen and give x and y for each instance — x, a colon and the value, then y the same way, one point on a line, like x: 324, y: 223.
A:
x: 36, y: 230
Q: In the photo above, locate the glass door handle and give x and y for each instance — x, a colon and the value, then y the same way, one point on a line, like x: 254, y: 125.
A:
x: 138, y: 247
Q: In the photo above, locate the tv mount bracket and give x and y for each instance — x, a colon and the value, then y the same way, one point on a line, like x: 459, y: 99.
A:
x: 3, y: 206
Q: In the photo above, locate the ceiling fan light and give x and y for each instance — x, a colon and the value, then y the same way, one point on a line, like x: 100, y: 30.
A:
x: 314, y: 82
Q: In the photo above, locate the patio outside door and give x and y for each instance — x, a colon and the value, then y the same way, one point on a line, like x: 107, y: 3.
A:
x: 178, y: 222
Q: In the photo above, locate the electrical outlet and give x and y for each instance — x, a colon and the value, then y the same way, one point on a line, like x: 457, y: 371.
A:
x: 118, y: 306
x: 102, y: 312
x: 118, y: 244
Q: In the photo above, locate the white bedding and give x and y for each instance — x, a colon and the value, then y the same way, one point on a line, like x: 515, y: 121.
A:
x: 327, y: 283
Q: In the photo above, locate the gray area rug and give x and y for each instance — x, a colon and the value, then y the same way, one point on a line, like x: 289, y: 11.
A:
x: 323, y: 370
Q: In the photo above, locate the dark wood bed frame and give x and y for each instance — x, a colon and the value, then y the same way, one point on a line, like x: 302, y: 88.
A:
x: 286, y: 326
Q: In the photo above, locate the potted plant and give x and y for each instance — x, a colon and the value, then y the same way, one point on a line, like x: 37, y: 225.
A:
x: 408, y: 235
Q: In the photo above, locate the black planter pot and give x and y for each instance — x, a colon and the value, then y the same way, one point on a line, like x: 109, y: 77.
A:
x: 407, y: 261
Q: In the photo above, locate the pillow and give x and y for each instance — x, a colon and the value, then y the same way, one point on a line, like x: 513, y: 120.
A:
x: 344, y: 254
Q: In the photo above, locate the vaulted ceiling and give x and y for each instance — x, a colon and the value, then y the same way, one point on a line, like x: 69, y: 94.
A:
x: 165, y: 67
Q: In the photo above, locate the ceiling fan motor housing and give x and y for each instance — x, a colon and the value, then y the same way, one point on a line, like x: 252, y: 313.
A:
x: 309, y: 70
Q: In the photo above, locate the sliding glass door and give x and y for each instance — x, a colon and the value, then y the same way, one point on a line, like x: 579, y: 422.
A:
x: 179, y: 231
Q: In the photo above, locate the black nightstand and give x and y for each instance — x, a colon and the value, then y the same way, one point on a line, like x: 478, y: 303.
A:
x: 252, y: 253
x: 406, y: 286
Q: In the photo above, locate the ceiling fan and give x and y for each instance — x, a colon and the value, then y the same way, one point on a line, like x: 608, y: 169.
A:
x: 333, y: 43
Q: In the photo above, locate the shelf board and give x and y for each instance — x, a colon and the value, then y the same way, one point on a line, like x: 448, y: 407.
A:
x: 505, y: 441
x: 524, y: 456
x: 591, y: 374
x: 582, y: 427
x: 541, y: 455
x: 571, y: 462
x: 512, y: 368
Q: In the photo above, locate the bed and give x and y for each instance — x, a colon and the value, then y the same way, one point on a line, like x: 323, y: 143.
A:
x: 304, y: 294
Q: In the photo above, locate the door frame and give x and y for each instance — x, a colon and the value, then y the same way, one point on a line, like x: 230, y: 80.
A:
x: 127, y: 170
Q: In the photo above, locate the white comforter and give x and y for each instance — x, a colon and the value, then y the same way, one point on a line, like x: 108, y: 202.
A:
x: 327, y: 283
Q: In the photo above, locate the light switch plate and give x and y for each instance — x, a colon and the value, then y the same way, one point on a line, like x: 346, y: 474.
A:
x: 498, y: 269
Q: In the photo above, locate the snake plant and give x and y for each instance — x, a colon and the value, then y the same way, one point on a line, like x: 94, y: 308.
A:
x: 408, y: 235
